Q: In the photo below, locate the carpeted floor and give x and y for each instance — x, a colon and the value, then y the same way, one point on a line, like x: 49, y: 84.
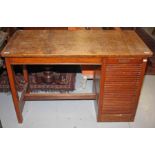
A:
x: 41, y: 79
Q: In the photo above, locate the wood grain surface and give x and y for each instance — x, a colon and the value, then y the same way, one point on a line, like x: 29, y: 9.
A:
x: 97, y: 43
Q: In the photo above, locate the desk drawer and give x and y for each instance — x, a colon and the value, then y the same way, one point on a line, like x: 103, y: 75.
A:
x: 124, y: 60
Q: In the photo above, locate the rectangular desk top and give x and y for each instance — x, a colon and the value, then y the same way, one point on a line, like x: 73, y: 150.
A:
x: 96, y: 43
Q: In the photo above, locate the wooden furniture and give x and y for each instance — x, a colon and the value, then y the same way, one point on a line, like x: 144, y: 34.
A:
x: 0, y: 124
x: 119, y: 58
x: 3, y: 38
x: 148, y: 36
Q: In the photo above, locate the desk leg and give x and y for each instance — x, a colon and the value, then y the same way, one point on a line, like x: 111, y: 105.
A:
x: 25, y: 73
x: 14, y: 91
x: 26, y: 77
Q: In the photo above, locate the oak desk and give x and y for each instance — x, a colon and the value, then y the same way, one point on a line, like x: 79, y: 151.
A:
x: 120, y: 56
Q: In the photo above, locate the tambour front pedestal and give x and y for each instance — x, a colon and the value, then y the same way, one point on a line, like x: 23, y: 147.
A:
x: 120, y: 88
x: 120, y: 56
